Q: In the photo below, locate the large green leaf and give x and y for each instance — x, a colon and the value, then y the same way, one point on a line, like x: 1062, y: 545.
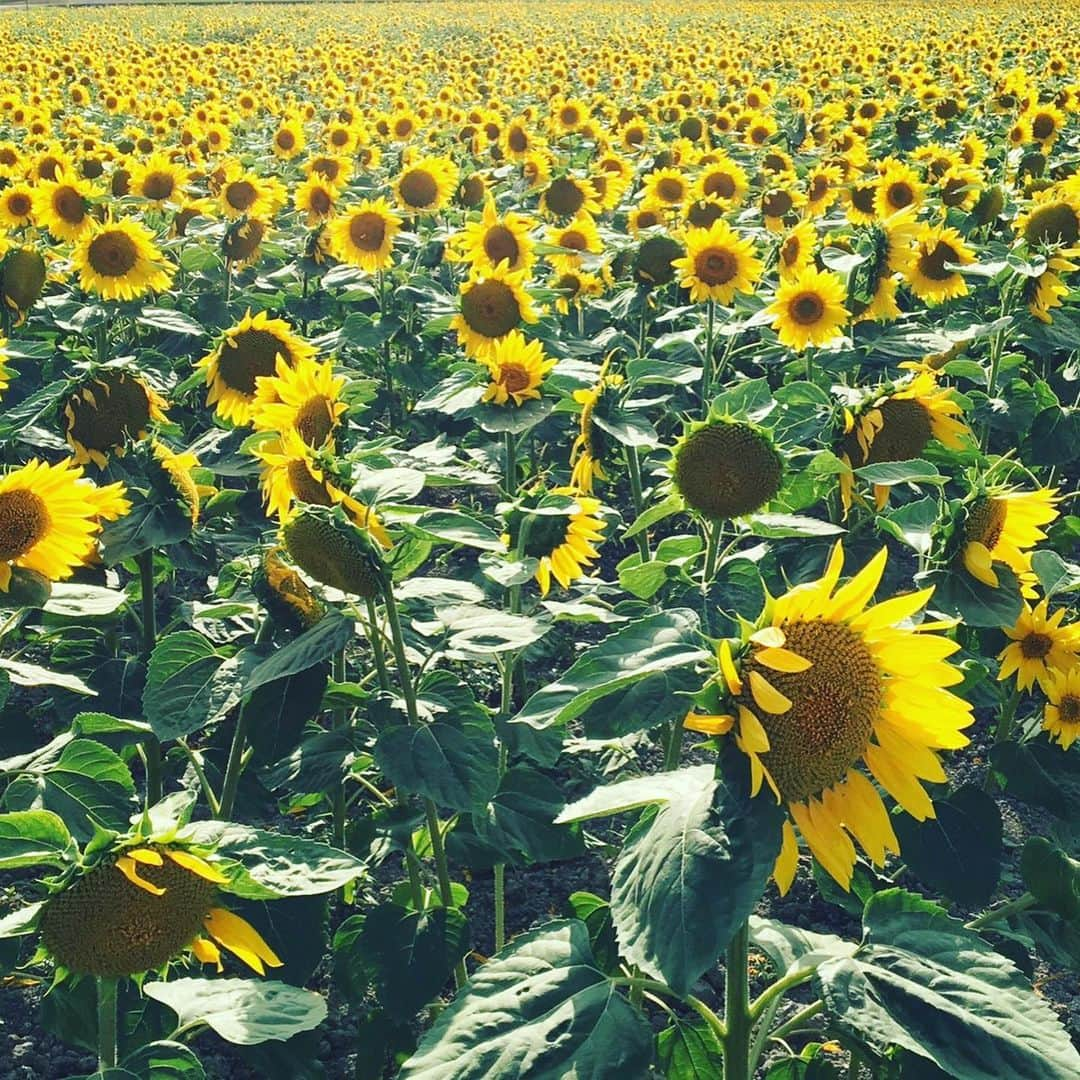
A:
x: 634, y: 652
x: 540, y: 1010
x: 978, y: 604
x: 790, y: 948
x: 34, y: 838
x: 689, y: 873
x: 328, y: 636
x: 1039, y: 773
x: 689, y: 1050
x: 244, y: 1011
x: 924, y: 983
x: 638, y: 792
x: 405, y: 956
x: 164, y: 1060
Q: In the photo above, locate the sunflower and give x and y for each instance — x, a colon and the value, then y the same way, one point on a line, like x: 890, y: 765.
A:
x: 63, y: 207
x: 1052, y: 218
x: 363, y: 235
x: 492, y: 304
x: 315, y: 199
x: 860, y: 199
x: 426, y: 185
x: 50, y: 518
x: 579, y: 236
x: 107, y: 410
x: 1002, y: 525
x: 288, y: 141
x: 642, y: 218
x: 882, y: 306
x: 176, y: 472
x: 809, y: 309
x: 246, y: 351
x: 572, y: 284
x: 303, y: 397
x: 335, y: 170
x: 1046, y: 291
x: 517, y: 370
x: 665, y: 189
x: 722, y: 179
x: 291, y: 474
x: 242, y: 241
x: 159, y: 180
x: 1062, y: 716
x: 898, y: 187
x: 22, y: 278
x: 119, y: 261
x: 141, y: 907
x: 826, y: 681
x: 495, y: 239
x: 796, y: 250
x: 568, y: 196
x: 16, y: 206
x: 285, y: 594
x: 718, y: 264
x: 1046, y: 122
x: 561, y: 542
x: 1041, y: 648
x: 335, y: 551
x: 592, y: 444
x: 897, y: 427
x: 822, y: 189
x: 929, y: 273
x: 242, y: 193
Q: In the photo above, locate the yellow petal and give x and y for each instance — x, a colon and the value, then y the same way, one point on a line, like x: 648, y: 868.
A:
x: 206, y: 952
x: 979, y: 563
x: 767, y: 696
x: 851, y: 598
x: 787, y: 862
x: 197, y: 866
x: 708, y: 724
x: 727, y: 668
x: 145, y: 855
x: 751, y: 732
x: 241, y: 938
x: 891, y: 612
x: 782, y: 660
x: 771, y: 637
x: 130, y: 869
x: 899, y: 783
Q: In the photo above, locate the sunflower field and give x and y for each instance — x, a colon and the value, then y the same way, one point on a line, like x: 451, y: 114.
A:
x: 539, y: 541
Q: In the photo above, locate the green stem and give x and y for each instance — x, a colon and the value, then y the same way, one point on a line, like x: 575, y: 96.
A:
x: 500, y: 906
x: 798, y: 1020
x: 106, y: 1011
x: 712, y: 551
x: 339, y: 719
x: 234, y: 766
x: 152, y: 749
x: 1002, y: 732
x: 633, y: 466
x: 718, y: 1026
x: 376, y: 640
x: 997, y: 348
x: 200, y: 773
x: 736, y: 1007
x: 408, y: 692
x: 510, y: 464
x: 673, y: 750
x: 778, y: 989
x: 707, y: 366
x: 1002, y: 911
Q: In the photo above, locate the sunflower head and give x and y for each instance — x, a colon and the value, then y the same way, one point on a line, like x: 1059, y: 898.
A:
x: 334, y: 551
x: 363, y: 235
x: 725, y: 468
x: 119, y: 261
x: 493, y: 303
x: 303, y: 398
x: 1062, y: 716
x: 285, y: 594
x: 517, y: 369
x: 809, y: 309
x: 108, y: 409
x: 22, y: 279
x: 242, y: 240
x: 655, y: 260
x: 1041, y: 649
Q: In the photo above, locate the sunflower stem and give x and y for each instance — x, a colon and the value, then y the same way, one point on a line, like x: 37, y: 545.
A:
x: 408, y: 692
x: 707, y: 366
x: 1002, y: 911
x: 673, y: 750
x: 375, y: 638
x: 737, y: 1019
x: 106, y: 1016
x: 633, y: 468
x: 339, y: 719
x: 1002, y: 732
x: 234, y: 766
x: 510, y: 464
x: 152, y: 748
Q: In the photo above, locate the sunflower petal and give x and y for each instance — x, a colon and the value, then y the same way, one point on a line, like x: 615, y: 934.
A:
x: 241, y: 938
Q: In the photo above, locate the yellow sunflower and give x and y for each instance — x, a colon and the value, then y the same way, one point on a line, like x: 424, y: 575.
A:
x: 722, y: 179
x: 592, y: 443
x: 1041, y: 648
x: 495, y: 239
x: 176, y: 468
x: 243, y: 193
x: 718, y: 264
x: 1062, y: 715
x: 898, y: 187
x: 580, y: 235
x: 291, y: 474
x: 1047, y: 291
x: 517, y: 370
x: 119, y: 261
x: 665, y: 189
x: 426, y: 185
x: 809, y: 309
x: 134, y: 913
x: 159, y: 179
x: 796, y: 251
x: 492, y: 304
x: 302, y: 398
x: 568, y: 196
x: 5, y: 372
x: 315, y: 199
x: 363, y: 235
x: 63, y: 207
x: 245, y: 352
x: 1002, y: 525
x: 826, y: 681
x: 930, y: 274
x: 50, y: 518
x: 17, y: 206
x: 561, y: 543
x: 289, y: 140
x: 1052, y: 218
x: 106, y: 411
x: 897, y: 427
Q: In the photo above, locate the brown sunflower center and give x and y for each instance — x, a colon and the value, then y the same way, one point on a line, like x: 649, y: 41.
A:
x: 249, y: 355
x: 1069, y: 709
x: 564, y: 197
x: 112, y: 254
x: 286, y: 140
x: 647, y: 219
x: 670, y: 190
x: 862, y: 198
x: 104, y: 925
x: 1035, y: 646
x: 819, y: 188
x: 833, y: 707
x: 241, y: 195
x: 499, y: 244
x: 716, y: 266
x: 776, y: 204
x: 932, y: 262
x: 806, y: 308
x: 306, y: 487
x: 158, y: 185
x: 419, y: 189
x: 574, y: 240
x: 24, y: 520
x: 241, y: 244
x: 491, y: 309
x: 314, y: 420
x: 899, y: 194
x: 327, y: 168
x: 986, y: 521
x: 789, y: 251
x: 703, y: 214
x: 69, y: 205
x: 120, y: 409
x: 1043, y: 126
x: 905, y: 431
x: 515, y: 377
x: 320, y: 202
x: 725, y: 470
x: 517, y: 140
x: 367, y: 231
x: 19, y: 204
x: 1052, y: 223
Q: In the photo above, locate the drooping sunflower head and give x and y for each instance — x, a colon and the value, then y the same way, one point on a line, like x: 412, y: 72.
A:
x: 825, y: 682
x: 718, y: 263
x: 285, y: 594
x: 594, y: 445
x: 426, y: 185
x: 655, y: 259
x: 242, y: 241
x: 106, y: 410
x: 492, y: 304
x: 809, y: 309
x: 334, y: 551
x: 363, y: 235
x: 726, y: 468
x: 120, y: 261
x: 559, y: 529
x: 1053, y: 219
x: 247, y: 351
x: 174, y: 476
x: 142, y: 906
x: 22, y: 278
x: 517, y: 369
x: 303, y: 397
